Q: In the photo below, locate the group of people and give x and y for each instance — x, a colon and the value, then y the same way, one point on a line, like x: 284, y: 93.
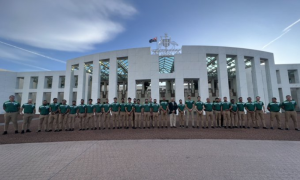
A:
x: 61, y: 116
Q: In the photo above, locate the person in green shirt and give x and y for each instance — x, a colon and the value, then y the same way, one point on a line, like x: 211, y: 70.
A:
x: 164, y: 107
x: 225, y: 111
x: 199, y: 111
x: 115, y: 109
x: 107, y: 115
x: 133, y: 117
x: 53, y: 119
x: 208, y: 108
x: 289, y: 106
x: 138, y: 114
x: 189, y: 106
x: 44, y: 111
x: 217, y: 110
x: 250, y: 108
x: 274, y: 108
x: 29, y: 111
x: 11, y: 108
x: 123, y: 117
x: 63, y: 115
x: 81, y: 111
x: 155, y: 110
x: 259, y: 112
x: 129, y: 108
x: 72, y: 115
x: 233, y: 114
x: 90, y: 115
x: 98, y: 114
x: 241, y: 112
x: 146, y: 113
x: 181, y: 108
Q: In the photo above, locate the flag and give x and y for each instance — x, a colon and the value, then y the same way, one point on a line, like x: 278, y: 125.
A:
x: 153, y: 40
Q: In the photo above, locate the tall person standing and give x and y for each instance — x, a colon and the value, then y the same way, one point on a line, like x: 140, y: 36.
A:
x: 173, y: 108
x: 29, y: 111
x: 289, y: 106
x: 12, y: 109
x: 164, y: 112
x: 189, y: 105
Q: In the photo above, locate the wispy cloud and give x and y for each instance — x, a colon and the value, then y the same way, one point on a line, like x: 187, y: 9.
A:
x: 289, y: 27
x: 69, y: 25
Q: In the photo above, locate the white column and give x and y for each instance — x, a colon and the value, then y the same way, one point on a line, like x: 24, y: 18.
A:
x: 257, y: 79
x: 203, y: 80
x: 26, y: 84
x: 241, y: 78
x: 131, y: 87
x: 155, y: 88
x: 86, y: 88
x: 179, y: 92
x: 81, y: 83
x: 113, y: 78
x: 69, y: 84
x: 54, y: 89
x: 223, y: 76
x: 40, y: 92
x: 271, y: 78
x: 284, y: 82
x: 96, y: 80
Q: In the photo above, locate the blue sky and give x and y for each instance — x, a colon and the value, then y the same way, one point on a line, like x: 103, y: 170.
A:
x: 72, y: 28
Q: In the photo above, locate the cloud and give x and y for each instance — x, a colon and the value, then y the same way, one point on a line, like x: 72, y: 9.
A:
x: 293, y: 24
x: 69, y: 25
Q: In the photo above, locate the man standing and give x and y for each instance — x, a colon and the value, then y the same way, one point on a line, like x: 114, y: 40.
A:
x: 133, y: 115
x: 90, y: 115
x: 259, y: 112
x: 138, y: 114
x: 29, y: 111
x: 106, y: 113
x: 44, y: 111
x: 233, y: 115
x: 129, y: 108
x: 146, y: 111
x: 172, y: 107
x: 199, y: 109
x: 189, y: 105
x: 217, y: 110
x: 181, y: 108
x: 98, y: 114
x: 208, y: 108
x: 289, y: 106
x: 225, y: 111
x: 115, y: 108
x: 123, y: 116
x: 250, y: 108
x: 151, y: 112
x: 274, y: 108
x: 155, y: 108
x: 164, y: 109
x: 241, y: 112
x: 72, y: 115
x: 12, y: 109
x: 63, y: 115
x: 53, y: 119
x: 82, y: 115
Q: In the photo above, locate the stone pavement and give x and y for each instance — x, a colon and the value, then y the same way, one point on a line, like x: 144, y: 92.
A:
x: 152, y: 159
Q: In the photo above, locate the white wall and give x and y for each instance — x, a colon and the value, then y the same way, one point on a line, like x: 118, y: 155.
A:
x: 8, y: 81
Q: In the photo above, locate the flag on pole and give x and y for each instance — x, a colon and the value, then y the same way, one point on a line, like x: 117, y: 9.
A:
x: 153, y: 40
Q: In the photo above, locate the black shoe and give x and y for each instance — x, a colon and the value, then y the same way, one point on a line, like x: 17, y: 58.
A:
x: 248, y: 127
x: 5, y: 132
x: 157, y: 127
x: 22, y: 132
x: 148, y: 127
x: 271, y: 128
x: 186, y: 127
x: 70, y: 129
x: 198, y: 127
x: 46, y: 130
x: 140, y: 127
x: 166, y: 126
x: 286, y: 128
x: 144, y: 128
x: 80, y: 129
x: 114, y: 128
x: 193, y: 126
x: 180, y: 126
x: 55, y: 130
x: 87, y: 128
x: 60, y: 130
x: 296, y: 129
x: 280, y: 128
x: 50, y: 130
x: 175, y: 126
x: 66, y: 129
x: 225, y: 127
x: 213, y: 127
x: 244, y: 127
x: 265, y: 128
x: 28, y: 130
x: 203, y: 127
x: 162, y: 127
x: 109, y: 128
x: 255, y: 127
x: 39, y: 131
x: 16, y: 131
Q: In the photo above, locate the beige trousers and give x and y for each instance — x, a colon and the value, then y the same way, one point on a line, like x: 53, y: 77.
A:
x: 27, y: 118
x: 234, y: 119
x: 274, y: 115
x: 259, y: 115
x: 81, y: 120
x: 98, y: 120
x: 181, y: 118
x: 293, y: 116
x: 89, y: 121
x: 155, y: 119
x: 241, y: 116
x: 43, y: 121
x: 137, y: 119
x: 190, y: 117
x: 146, y: 119
x: 11, y: 117
x: 226, y: 118
x: 53, y: 121
x: 106, y: 119
x: 173, y: 120
x: 218, y: 118
x: 63, y: 121
x: 72, y: 119
x: 115, y: 119
x: 251, y: 119
x: 210, y: 118
x: 164, y: 118
x: 200, y: 119
x: 123, y: 119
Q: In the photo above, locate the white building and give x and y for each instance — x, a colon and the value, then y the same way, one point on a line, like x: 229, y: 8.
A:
x: 207, y: 71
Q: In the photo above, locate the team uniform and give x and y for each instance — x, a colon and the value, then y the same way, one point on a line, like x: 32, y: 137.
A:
x: 209, y: 114
x: 190, y: 114
x: 98, y: 115
x: 250, y: 115
x: 107, y: 116
x: 72, y: 116
x: 63, y: 117
x: 164, y: 115
x: 241, y: 113
x: 28, y: 115
x: 155, y: 110
x: 259, y: 113
x: 146, y: 111
x: 89, y: 116
x: 82, y: 116
x: 11, y: 114
x: 290, y: 112
x: 129, y: 107
x: 115, y: 113
x: 53, y: 118
x: 274, y: 113
x: 217, y: 111
x: 226, y: 113
x: 181, y: 108
x: 138, y: 115
x: 123, y: 116
x: 199, y: 107
x: 44, y: 116
x: 234, y: 116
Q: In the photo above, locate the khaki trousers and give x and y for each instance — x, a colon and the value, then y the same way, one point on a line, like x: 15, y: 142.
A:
x: 200, y: 119
x: 181, y: 118
x: 72, y: 118
x: 234, y: 119
x: 89, y: 120
x: 106, y: 119
x: 210, y: 118
x: 43, y: 121
x: 63, y: 121
x: 81, y: 120
x: 260, y: 115
x: 98, y: 119
x: 274, y: 115
x: 137, y: 119
x: 251, y: 118
x: 241, y: 116
x: 218, y: 118
x: 53, y: 119
x: 129, y: 119
x: 173, y: 119
x: 226, y: 118
x: 155, y: 119
x: 123, y: 119
x: 27, y: 118
x: 190, y: 116
x: 147, y: 119
x: 115, y: 119
x: 11, y: 117
x: 293, y: 116
x: 164, y: 118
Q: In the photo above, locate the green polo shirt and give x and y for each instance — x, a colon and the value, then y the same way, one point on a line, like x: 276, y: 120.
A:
x: 225, y: 105
x: 208, y: 106
x: 98, y: 107
x: 250, y: 106
x: 73, y: 109
x: 234, y: 107
x: 147, y: 107
x: 274, y: 107
x: 138, y: 108
x: 258, y: 105
x: 44, y: 110
x: 106, y: 107
x: 164, y: 105
x: 240, y: 106
x: 63, y: 108
x: 217, y: 106
x: 129, y: 106
x: 28, y: 108
x: 89, y: 108
x: 289, y: 105
x: 199, y: 105
x: 115, y: 107
x: 81, y: 108
x: 189, y: 103
x: 181, y: 107
x: 11, y: 106
x: 155, y: 107
x: 122, y: 107
x: 54, y: 107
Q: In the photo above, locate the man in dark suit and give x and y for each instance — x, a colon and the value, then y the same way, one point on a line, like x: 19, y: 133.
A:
x: 172, y: 111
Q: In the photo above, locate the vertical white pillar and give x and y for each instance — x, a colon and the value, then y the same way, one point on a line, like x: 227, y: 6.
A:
x: 155, y: 88
x: 284, y: 82
x: 113, y: 78
x: 40, y: 92
x: 179, y: 92
x: 26, y: 85
x: 54, y: 89
x: 81, y: 83
x: 69, y: 84
x: 223, y: 76
x: 271, y: 78
x: 96, y: 80
x: 241, y: 78
x: 257, y: 79
x: 203, y: 79
x: 86, y: 88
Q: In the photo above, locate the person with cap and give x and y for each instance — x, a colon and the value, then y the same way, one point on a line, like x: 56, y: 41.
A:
x: 115, y: 110
x: 208, y: 108
x: 164, y: 112
x: 29, y: 112
x: 189, y: 106
x: 12, y: 109
x: 81, y: 111
x: 289, y: 106
x: 274, y: 108
x: 44, y: 111
x: 129, y: 108
x: 106, y: 114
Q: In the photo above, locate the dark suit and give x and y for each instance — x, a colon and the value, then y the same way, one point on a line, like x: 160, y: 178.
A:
x: 172, y: 107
